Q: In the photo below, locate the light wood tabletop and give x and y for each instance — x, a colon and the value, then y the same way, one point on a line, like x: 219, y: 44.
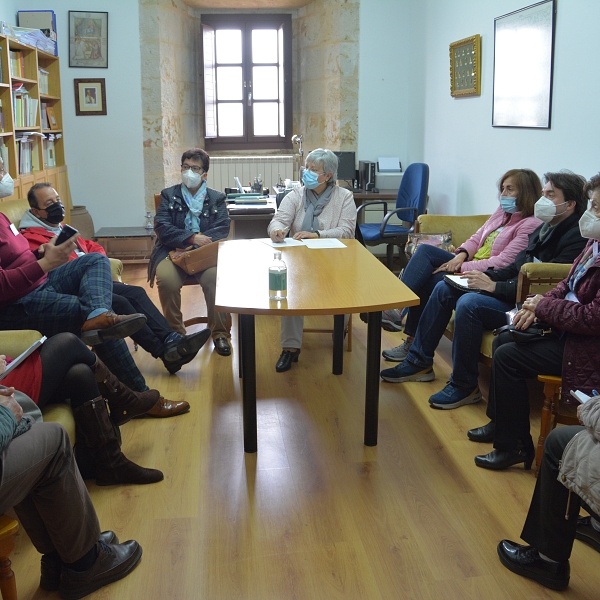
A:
x: 320, y: 281
x: 332, y: 281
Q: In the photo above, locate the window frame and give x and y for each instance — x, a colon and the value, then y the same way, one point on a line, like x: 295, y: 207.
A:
x: 247, y: 22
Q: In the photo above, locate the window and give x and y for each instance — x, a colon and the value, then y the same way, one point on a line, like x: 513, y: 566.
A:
x: 247, y: 81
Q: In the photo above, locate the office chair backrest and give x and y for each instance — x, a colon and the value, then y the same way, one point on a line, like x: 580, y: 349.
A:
x: 413, y: 189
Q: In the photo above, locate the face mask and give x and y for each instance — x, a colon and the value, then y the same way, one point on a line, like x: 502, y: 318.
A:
x: 310, y: 179
x: 508, y: 204
x: 55, y: 213
x: 190, y: 179
x: 7, y: 186
x: 545, y: 210
x: 589, y: 226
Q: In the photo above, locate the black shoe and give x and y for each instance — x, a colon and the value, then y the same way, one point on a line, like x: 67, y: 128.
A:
x: 52, y: 565
x: 114, y: 562
x: 526, y: 561
x: 587, y: 534
x: 222, y: 346
x: 286, y: 359
x: 502, y: 459
x: 183, y: 350
x: 482, y: 434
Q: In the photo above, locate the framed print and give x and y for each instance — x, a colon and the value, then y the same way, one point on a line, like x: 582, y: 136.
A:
x: 88, y: 39
x: 52, y: 123
x: 523, y: 59
x: 90, y: 97
x: 465, y: 67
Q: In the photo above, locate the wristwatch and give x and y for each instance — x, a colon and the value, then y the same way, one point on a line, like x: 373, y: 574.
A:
x: 318, y: 234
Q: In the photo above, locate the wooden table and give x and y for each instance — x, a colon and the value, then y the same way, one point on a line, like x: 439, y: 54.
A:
x: 320, y: 282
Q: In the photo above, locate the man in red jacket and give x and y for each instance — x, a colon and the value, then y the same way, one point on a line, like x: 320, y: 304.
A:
x: 42, y: 222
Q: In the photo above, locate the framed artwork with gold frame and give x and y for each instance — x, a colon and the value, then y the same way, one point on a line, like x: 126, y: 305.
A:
x: 465, y: 67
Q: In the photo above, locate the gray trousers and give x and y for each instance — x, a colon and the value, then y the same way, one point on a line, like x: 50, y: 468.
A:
x: 291, y: 331
x: 40, y: 479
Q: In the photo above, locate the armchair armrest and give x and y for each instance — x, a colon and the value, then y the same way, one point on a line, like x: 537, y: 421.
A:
x: 13, y: 343
x: 538, y: 278
x: 116, y: 267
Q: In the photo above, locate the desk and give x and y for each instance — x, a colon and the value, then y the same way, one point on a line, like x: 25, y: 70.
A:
x: 128, y: 244
x: 364, y: 197
x: 351, y: 280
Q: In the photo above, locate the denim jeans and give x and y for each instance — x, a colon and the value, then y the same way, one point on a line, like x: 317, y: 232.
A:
x: 418, y: 276
x: 474, y: 314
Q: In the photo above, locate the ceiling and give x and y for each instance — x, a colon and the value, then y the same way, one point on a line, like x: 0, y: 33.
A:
x: 270, y: 4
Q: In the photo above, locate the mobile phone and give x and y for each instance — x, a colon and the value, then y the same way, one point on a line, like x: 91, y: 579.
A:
x: 66, y: 234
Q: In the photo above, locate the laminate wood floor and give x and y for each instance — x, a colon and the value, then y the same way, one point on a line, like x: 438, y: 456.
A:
x: 314, y: 514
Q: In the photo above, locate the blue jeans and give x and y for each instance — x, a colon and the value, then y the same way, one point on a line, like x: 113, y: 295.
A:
x: 418, y: 276
x: 474, y: 313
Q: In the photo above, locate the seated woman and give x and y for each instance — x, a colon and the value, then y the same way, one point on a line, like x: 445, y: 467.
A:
x: 317, y: 209
x: 64, y: 368
x: 572, y: 308
x: 190, y: 214
x: 495, y: 244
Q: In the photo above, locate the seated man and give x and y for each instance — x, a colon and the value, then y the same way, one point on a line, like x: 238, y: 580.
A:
x: 40, y: 479
x: 558, y: 240
x: 567, y: 478
x: 190, y: 214
x: 42, y: 222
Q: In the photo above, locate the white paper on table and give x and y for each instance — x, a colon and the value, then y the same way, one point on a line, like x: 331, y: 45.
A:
x: 323, y: 243
x: 287, y: 242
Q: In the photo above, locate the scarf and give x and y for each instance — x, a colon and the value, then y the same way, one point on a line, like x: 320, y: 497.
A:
x: 195, y: 204
x: 313, y: 207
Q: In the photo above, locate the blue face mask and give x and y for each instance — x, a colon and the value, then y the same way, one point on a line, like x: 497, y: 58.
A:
x: 310, y: 179
x: 508, y: 204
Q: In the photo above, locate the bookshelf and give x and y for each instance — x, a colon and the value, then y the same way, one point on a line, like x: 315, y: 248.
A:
x: 32, y: 149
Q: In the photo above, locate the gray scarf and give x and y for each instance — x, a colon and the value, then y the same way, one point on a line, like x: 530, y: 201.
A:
x: 313, y: 206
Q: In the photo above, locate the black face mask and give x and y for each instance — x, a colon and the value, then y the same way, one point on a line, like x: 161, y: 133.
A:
x: 55, y: 213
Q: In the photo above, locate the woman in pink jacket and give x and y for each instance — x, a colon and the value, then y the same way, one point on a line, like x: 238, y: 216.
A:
x: 495, y: 244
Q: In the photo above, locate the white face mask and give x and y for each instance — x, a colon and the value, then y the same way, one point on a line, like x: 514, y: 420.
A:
x: 7, y: 186
x: 190, y: 179
x: 545, y: 210
x: 589, y: 226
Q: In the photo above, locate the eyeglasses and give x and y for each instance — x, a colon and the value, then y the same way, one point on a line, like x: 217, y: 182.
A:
x: 190, y: 168
x: 313, y: 170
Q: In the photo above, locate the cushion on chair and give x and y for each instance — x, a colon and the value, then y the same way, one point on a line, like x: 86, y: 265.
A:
x: 370, y: 231
x: 486, y: 341
x: 61, y: 413
x: 462, y: 227
x: 14, y: 209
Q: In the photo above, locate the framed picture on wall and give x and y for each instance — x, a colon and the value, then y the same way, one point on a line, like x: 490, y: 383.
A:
x: 88, y: 39
x: 90, y: 97
x: 523, y: 63
x: 465, y: 67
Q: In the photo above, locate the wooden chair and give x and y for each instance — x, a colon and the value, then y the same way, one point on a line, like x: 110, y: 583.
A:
x: 348, y: 336
x: 189, y: 280
x: 8, y: 584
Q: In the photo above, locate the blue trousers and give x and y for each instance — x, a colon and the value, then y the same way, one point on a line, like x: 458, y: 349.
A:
x: 418, y: 276
x: 474, y: 314
x: 64, y: 301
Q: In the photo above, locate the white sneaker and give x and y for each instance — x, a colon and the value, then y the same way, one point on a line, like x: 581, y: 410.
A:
x: 399, y: 353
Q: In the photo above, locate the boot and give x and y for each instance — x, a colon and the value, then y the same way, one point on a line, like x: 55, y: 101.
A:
x: 123, y: 402
x: 112, y: 467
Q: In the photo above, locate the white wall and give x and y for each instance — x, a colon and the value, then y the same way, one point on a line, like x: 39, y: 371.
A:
x: 103, y: 153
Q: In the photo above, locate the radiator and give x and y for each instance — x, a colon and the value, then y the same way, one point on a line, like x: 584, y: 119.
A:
x: 224, y: 168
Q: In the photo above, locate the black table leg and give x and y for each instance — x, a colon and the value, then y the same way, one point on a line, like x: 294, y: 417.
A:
x: 338, y: 344
x: 372, y: 383
x: 240, y: 359
x: 249, y: 382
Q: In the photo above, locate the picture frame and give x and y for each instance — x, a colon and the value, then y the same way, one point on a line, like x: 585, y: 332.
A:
x: 88, y: 39
x: 90, y: 97
x: 52, y: 123
x: 465, y: 67
x: 523, y: 67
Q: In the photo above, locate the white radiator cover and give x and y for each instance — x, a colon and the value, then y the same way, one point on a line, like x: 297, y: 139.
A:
x: 224, y: 168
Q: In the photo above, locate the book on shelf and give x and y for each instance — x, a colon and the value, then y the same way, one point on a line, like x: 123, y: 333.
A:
x: 4, y: 153
x: 25, y: 108
x: 24, y: 155
x: 44, y: 106
x: 49, y: 153
x: 43, y: 81
x: 1, y: 72
x: 1, y: 117
x: 17, y: 63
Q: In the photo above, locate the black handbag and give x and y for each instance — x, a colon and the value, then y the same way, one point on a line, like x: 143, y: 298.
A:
x: 535, y: 331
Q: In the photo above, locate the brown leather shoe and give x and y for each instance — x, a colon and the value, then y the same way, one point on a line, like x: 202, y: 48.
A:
x: 168, y: 408
x: 114, y: 562
x: 109, y: 326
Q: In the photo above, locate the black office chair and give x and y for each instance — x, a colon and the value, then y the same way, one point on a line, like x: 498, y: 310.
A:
x: 411, y: 201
